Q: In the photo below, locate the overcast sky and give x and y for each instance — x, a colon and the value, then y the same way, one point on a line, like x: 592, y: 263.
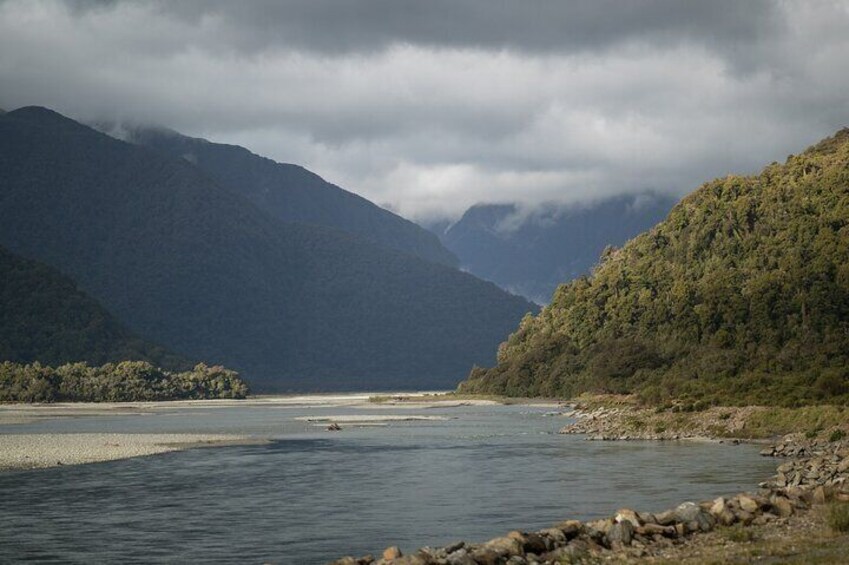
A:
x: 428, y: 107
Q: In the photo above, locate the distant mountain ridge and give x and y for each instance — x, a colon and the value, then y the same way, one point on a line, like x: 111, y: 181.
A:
x: 531, y: 252
x: 291, y: 193
x: 740, y: 296
x: 205, y: 272
x: 44, y: 317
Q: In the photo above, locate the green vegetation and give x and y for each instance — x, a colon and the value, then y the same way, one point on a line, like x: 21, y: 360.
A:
x: 741, y: 296
x: 837, y: 517
x: 44, y: 317
x: 127, y: 381
x: 737, y: 533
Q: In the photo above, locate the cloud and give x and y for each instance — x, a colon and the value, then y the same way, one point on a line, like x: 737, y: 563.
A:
x: 431, y: 107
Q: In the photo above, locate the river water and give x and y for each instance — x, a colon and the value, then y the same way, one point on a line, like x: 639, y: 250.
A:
x: 311, y: 495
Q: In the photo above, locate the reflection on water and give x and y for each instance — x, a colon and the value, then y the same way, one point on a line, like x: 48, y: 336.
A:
x: 312, y: 495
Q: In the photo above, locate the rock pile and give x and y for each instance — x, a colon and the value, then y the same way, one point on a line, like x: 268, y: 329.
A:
x: 629, y: 533
x: 813, y: 465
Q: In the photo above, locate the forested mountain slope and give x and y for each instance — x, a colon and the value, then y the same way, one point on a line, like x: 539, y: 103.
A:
x: 293, y: 194
x: 531, y: 253
x: 740, y: 295
x: 203, y: 271
x: 45, y: 318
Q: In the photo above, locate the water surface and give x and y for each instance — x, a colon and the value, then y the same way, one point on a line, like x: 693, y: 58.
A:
x: 310, y: 495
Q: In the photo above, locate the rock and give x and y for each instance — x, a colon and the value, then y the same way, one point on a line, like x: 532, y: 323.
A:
x: 556, y: 535
x: 747, y: 503
x: 666, y: 518
x: 687, y: 512
x: 781, y: 505
x: 626, y: 515
x: 576, y: 552
x: 392, y: 552
x: 484, y: 556
x: 505, y: 546
x: 620, y: 533
x: 460, y: 557
x: 822, y: 494
x: 744, y: 517
x: 726, y: 518
x: 655, y: 529
x: 451, y: 548
x: 570, y: 528
x: 602, y: 525
x: 718, y: 507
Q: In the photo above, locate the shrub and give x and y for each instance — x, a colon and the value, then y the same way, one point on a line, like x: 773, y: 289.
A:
x: 837, y: 435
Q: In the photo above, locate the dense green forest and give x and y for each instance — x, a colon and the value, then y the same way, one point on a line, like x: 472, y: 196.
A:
x: 293, y: 194
x: 44, y: 317
x: 207, y: 274
x: 740, y: 296
x: 127, y: 381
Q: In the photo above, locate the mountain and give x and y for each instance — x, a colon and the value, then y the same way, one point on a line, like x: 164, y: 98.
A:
x: 740, y: 296
x: 203, y: 271
x: 45, y: 318
x: 292, y: 193
x: 532, y: 252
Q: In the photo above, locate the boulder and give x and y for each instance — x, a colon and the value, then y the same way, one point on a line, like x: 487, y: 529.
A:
x: 570, y: 528
x: 392, y: 552
x: 748, y: 503
x: 620, y: 533
x: 460, y: 557
x: 626, y: 515
x: 555, y: 535
x: 781, y: 506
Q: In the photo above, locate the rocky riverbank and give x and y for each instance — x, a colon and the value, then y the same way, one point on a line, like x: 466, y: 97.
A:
x: 786, y: 509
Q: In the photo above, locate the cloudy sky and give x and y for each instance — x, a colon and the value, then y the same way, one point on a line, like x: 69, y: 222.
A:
x: 429, y: 107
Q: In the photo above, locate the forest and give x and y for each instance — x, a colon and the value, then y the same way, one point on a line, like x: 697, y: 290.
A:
x: 741, y: 296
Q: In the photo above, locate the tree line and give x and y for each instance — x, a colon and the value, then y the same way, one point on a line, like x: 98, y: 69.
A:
x: 127, y: 381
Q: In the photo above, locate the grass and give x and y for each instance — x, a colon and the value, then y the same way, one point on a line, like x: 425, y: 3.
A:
x: 737, y: 533
x: 837, y: 517
x: 809, y: 420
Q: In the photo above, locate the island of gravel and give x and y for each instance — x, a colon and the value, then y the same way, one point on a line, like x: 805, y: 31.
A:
x: 800, y: 515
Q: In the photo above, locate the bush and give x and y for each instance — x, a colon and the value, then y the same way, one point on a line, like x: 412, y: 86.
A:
x: 837, y: 435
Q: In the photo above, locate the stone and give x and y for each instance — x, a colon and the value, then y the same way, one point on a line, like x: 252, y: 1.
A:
x: 556, y: 535
x: 392, y: 552
x: 822, y: 494
x: 781, y: 506
x: 747, y: 503
x: 602, y: 525
x: 452, y: 547
x: 460, y: 557
x: 626, y: 515
x: 718, y: 507
x: 655, y: 529
x: 687, y: 512
x: 726, y: 518
x: 620, y: 533
x: 666, y: 518
x: 505, y: 546
x: 571, y: 528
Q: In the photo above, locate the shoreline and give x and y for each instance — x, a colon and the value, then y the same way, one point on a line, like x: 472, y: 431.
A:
x: 786, y: 520
x: 40, y: 451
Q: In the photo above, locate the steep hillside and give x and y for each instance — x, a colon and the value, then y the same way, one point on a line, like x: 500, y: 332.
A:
x: 294, y: 194
x: 204, y: 272
x: 740, y: 295
x: 530, y: 253
x: 45, y: 318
